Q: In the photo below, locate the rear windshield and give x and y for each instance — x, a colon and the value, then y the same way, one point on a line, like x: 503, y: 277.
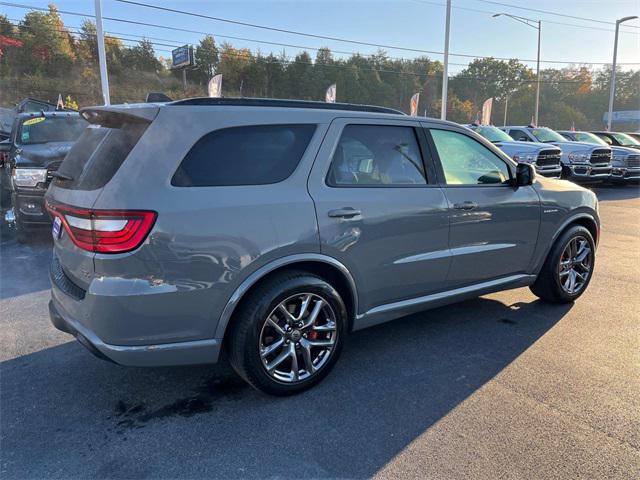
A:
x: 96, y: 156
x: 252, y: 155
x: 50, y: 129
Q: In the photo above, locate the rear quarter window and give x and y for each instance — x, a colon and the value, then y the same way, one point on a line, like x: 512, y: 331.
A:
x: 251, y: 155
x: 97, y: 155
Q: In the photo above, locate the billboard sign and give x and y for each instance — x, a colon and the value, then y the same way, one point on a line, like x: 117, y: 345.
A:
x: 623, y: 116
x: 182, y: 57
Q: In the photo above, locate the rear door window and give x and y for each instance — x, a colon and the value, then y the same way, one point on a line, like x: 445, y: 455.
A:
x: 377, y: 155
x: 251, y: 155
x: 97, y: 155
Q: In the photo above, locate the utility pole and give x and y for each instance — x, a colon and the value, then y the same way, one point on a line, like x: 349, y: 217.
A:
x: 537, y: 24
x: 538, y: 73
x: 506, y: 105
x: 613, y: 69
x: 445, y: 71
x: 102, y: 56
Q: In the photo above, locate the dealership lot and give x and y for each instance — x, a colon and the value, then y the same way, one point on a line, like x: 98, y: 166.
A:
x: 502, y: 386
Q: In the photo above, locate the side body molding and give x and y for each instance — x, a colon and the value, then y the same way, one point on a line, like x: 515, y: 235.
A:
x: 274, y: 265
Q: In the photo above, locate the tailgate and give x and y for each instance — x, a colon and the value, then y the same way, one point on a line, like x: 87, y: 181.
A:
x: 90, y: 164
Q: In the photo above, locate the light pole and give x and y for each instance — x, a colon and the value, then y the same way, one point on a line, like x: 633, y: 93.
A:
x: 537, y: 24
x: 445, y: 70
x: 102, y: 57
x: 613, y: 69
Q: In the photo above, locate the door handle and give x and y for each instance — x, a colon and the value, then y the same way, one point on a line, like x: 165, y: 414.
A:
x: 465, y: 205
x: 346, y: 212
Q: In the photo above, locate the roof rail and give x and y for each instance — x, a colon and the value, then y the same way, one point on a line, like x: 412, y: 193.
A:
x: 275, y: 102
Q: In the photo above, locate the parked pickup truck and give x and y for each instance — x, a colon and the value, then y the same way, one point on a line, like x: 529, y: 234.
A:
x: 625, y: 163
x: 581, y: 162
x: 619, y: 139
x: 544, y: 158
x: 34, y: 151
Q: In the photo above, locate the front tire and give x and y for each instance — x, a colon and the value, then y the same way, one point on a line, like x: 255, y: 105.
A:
x: 568, y: 269
x: 288, y: 333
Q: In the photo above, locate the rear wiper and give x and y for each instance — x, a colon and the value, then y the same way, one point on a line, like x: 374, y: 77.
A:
x: 61, y: 176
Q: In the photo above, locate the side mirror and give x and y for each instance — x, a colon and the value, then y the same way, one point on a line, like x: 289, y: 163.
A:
x: 5, y: 145
x: 525, y: 173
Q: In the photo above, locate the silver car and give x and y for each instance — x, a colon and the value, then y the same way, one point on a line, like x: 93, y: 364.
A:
x: 271, y: 229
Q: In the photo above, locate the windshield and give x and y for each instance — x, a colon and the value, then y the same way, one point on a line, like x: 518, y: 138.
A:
x: 50, y: 129
x: 547, y: 135
x: 590, y: 138
x: 624, y: 139
x: 494, y: 134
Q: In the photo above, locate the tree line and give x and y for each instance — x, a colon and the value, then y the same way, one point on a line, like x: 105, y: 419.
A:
x: 41, y: 57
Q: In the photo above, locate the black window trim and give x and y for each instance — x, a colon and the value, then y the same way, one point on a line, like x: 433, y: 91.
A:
x: 427, y: 165
x: 316, y: 126
x: 442, y: 182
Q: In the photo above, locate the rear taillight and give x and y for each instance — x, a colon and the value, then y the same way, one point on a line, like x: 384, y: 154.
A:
x: 104, y: 231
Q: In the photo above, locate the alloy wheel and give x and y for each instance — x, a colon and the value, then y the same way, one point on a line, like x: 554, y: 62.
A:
x: 575, y: 265
x: 298, y: 337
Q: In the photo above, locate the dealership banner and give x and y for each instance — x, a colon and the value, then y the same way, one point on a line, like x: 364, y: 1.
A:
x: 214, y: 88
x: 415, y: 100
x: 330, y: 96
x: 486, y: 111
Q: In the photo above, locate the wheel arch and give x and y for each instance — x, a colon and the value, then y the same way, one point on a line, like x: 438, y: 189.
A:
x: 584, y: 219
x: 324, y: 266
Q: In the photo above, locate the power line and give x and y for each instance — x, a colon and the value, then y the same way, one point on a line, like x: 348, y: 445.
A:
x: 324, y: 37
x: 564, y: 24
x: 288, y: 61
x: 292, y: 46
x: 548, y: 12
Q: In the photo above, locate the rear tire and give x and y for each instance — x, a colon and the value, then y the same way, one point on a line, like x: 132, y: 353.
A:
x: 284, y: 354
x: 568, y: 269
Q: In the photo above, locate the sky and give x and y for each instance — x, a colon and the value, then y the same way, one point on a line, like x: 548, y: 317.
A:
x: 414, y: 24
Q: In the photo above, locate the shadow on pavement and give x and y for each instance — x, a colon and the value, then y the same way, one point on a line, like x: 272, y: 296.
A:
x: 617, y: 192
x: 66, y: 414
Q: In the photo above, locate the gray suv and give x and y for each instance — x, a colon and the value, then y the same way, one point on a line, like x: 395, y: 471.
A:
x: 270, y: 229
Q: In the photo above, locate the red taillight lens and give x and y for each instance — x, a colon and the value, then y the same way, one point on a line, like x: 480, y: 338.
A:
x: 104, y: 231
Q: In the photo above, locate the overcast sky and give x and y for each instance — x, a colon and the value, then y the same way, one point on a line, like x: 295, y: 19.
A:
x: 417, y: 24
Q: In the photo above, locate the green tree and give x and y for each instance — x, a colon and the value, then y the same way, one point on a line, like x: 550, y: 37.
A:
x: 206, y: 56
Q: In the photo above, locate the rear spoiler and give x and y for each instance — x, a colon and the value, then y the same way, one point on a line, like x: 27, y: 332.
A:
x: 117, y: 115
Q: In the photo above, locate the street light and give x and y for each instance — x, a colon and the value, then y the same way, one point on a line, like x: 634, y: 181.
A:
x: 613, y: 69
x: 537, y: 24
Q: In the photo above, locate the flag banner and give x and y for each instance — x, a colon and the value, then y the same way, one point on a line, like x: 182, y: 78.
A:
x: 415, y: 100
x: 573, y: 126
x: 214, y: 88
x: 60, y: 104
x: 486, y: 111
x: 330, y: 96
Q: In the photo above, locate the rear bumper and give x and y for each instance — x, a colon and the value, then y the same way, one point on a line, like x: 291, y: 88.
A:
x: 167, y: 354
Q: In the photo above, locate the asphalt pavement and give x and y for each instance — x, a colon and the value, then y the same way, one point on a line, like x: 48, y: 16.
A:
x: 504, y: 386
